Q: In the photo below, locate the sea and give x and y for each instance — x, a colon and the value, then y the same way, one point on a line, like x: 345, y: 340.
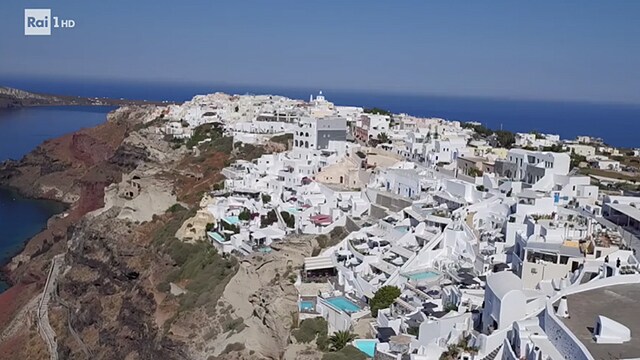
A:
x: 22, y: 130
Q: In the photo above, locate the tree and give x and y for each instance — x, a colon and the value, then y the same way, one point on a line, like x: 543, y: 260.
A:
x: 383, y: 298
x: 383, y: 138
x: 266, y: 198
x: 245, y: 215
x: 340, y: 339
x: 269, y: 219
x: 289, y: 219
x: 505, y: 138
x: 377, y: 111
x: 577, y: 159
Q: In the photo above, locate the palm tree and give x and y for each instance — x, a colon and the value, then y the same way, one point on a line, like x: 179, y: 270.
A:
x: 340, y: 339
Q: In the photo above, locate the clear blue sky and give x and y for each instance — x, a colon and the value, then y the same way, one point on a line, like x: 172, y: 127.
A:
x: 563, y: 50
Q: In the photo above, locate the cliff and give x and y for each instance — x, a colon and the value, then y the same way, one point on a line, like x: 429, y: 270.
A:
x: 124, y: 286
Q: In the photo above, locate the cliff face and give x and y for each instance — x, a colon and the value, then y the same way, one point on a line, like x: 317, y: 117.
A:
x: 127, y: 288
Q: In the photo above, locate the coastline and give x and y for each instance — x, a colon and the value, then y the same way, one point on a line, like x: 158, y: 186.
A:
x: 18, y: 245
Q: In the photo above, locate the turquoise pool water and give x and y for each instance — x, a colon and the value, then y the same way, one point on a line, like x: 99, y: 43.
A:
x: 217, y: 237
x: 425, y: 275
x: 232, y: 220
x: 403, y: 229
x: 366, y: 346
x: 293, y: 210
x: 307, y: 305
x: 343, y: 304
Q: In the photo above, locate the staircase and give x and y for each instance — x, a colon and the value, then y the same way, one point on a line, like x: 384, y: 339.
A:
x: 281, y: 222
x: 492, y: 355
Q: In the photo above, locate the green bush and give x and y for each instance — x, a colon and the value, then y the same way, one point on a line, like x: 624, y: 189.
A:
x: 289, y: 219
x: 309, y: 329
x: 236, y: 325
x: 245, y: 215
x: 347, y: 353
x: 233, y: 347
x: 383, y: 298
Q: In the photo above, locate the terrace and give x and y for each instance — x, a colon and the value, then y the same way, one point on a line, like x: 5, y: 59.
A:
x: 618, y: 303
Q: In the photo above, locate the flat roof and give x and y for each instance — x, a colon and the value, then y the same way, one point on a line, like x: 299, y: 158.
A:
x: 318, y: 262
x: 384, y: 266
x: 560, y: 249
x: 617, y: 302
x: 626, y: 209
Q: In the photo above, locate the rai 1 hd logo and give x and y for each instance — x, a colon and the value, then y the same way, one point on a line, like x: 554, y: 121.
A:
x: 40, y: 22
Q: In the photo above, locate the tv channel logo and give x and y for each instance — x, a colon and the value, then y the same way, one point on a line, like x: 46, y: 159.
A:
x: 40, y: 22
x: 37, y: 21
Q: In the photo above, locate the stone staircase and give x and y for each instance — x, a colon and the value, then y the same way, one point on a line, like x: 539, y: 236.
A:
x: 492, y: 355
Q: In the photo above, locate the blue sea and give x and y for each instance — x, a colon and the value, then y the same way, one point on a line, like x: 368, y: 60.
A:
x: 21, y: 131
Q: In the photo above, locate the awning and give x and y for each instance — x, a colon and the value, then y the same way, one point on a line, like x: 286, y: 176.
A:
x: 318, y: 263
x: 321, y: 219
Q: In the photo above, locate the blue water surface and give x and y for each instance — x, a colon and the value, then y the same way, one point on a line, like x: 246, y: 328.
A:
x: 21, y: 131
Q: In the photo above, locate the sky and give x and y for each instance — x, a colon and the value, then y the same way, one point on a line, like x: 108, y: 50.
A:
x: 557, y: 50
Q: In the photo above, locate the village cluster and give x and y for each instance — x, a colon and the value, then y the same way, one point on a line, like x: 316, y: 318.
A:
x: 440, y: 238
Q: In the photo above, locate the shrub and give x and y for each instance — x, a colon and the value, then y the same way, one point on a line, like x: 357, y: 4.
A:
x: 266, y: 198
x: 236, y: 325
x: 245, y: 215
x: 233, y: 347
x: 282, y: 139
x: 347, y: 353
x: 289, y: 219
x: 309, y: 329
x: 163, y: 287
x: 175, y: 208
x: 383, y: 298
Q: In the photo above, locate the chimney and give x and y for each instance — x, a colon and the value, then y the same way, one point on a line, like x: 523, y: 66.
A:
x: 563, y: 308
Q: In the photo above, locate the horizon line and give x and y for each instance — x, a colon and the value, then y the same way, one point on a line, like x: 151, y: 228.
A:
x: 310, y: 88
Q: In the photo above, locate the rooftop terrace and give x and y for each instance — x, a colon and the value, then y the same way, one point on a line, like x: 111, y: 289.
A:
x: 619, y: 303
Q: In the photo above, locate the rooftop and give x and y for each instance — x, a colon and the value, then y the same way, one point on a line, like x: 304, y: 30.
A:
x: 617, y: 302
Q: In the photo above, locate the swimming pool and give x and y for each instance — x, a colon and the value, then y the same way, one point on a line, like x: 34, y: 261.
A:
x: 367, y: 346
x: 425, y: 275
x: 307, y: 305
x: 344, y: 304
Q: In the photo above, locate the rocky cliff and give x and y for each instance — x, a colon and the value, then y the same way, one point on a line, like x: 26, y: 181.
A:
x: 127, y: 288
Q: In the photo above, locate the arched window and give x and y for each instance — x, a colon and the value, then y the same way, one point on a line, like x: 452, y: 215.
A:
x: 306, y: 134
x: 296, y: 142
x: 306, y: 144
